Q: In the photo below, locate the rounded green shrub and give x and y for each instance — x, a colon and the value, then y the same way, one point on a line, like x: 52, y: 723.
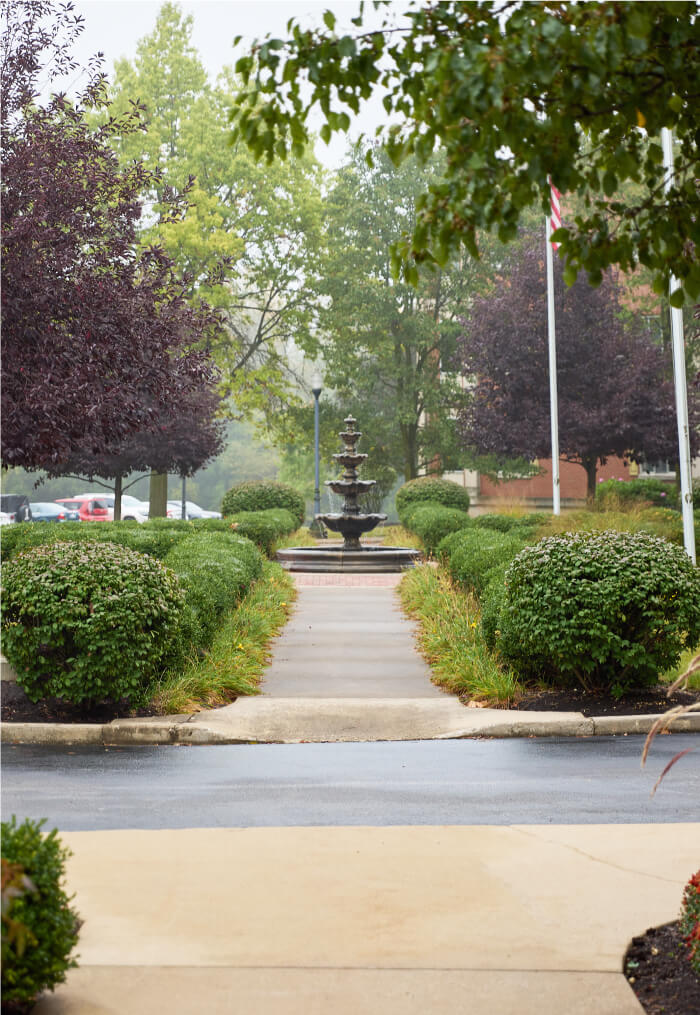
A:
x: 215, y: 569
x: 472, y: 553
x: 260, y: 495
x: 441, y: 491
x: 606, y: 610
x: 89, y: 621
x: 690, y: 921
x: 39, y: 927
x: 432, y: 522
x: 613, y: 493
x: 496, y: 522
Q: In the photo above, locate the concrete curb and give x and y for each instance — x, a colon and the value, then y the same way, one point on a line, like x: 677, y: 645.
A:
x: 213, y: 728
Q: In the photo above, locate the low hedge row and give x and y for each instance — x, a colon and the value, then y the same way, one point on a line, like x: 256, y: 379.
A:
x: 265, y: 528
x: 431, y: 522
x: 215, y: 570
x: 471, y: 554
x: 155, y: 537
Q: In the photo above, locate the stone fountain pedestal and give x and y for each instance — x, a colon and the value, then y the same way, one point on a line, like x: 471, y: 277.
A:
x: 351, y: 523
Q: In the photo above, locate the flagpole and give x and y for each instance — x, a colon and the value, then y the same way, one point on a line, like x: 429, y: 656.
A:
x: 679, y: 380
x: 553, y: 406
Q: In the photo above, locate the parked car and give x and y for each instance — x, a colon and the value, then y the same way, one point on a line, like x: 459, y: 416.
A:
x: 45, y: 511
x: 192, y: 510
x: 89, y: 508
x: 6, y: 518
x: 17, y: 506
x: 133, y: 509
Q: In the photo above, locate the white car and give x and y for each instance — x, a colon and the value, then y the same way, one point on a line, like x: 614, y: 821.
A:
x: 133, y: 509
x: 192, y: 510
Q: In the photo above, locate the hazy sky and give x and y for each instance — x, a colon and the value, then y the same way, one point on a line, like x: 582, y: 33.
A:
x: 115, y: 26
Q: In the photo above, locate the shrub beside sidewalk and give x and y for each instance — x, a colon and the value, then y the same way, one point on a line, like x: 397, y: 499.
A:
x: 39, y: 927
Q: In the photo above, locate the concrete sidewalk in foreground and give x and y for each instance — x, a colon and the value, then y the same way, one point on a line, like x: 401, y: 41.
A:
x: 525, y: 919
x: 334, y: 720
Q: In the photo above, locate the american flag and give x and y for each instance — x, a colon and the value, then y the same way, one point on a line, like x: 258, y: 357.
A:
x: 555, y: 211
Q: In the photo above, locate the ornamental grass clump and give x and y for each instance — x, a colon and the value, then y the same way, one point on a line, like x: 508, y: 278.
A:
x: 439, y: 491
x: 89, y: 622
x: 260, y: 495
x: 609, y: 611
x: 39, y: 927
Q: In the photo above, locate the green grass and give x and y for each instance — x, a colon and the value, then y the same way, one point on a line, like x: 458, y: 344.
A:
x: 302, y: 537
x: 449, y: 638
x: 239, y: 653
x: 693, y: 679
x: 396, y: 535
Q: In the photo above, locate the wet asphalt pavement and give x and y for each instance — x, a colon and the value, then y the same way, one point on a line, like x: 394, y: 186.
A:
x: 563, y: 780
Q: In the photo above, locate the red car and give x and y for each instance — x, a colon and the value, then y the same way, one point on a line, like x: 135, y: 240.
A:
x: 90, y: 509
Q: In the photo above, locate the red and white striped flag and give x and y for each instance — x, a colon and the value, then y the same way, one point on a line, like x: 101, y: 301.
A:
x: 555, y: 213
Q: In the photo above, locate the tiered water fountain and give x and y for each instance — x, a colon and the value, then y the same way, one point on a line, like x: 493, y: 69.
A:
x: 351, y: 523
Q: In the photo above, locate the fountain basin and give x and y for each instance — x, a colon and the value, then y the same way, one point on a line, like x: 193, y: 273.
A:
x: 334, y: 558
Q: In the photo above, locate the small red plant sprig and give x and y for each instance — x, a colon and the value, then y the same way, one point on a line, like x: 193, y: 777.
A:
x: 690, y: 921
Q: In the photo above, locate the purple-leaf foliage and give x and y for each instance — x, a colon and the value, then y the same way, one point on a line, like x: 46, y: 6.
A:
x: 613, y: 395
x: 98, y: 334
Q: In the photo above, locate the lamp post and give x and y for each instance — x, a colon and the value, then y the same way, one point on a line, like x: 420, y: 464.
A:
x: 316, y: 388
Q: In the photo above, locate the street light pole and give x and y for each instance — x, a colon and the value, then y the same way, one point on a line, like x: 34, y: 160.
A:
x: 316, y: 388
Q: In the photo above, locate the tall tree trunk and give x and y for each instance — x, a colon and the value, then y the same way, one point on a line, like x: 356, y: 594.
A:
x: 158, y: 495
x: 117, y: 498
x: 591, y: 467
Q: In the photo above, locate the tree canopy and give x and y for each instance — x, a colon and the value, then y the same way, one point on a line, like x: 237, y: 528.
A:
x: 613, y: 398
x: 513, y: 93
x: 100, y: 341
x: 263, y: 224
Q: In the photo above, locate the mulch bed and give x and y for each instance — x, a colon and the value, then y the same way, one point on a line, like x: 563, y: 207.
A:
x: 16, y: 707
x: 659, y: 973
x: 650, y: 701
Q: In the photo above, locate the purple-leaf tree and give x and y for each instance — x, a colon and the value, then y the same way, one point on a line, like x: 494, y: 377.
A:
x: 613, y: 394
x: 97, y: 333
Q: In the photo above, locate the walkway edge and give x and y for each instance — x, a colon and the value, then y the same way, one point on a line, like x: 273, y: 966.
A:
x: 212, y: 728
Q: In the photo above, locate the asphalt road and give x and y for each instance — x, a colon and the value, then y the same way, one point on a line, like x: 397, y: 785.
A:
x: 521, y: 781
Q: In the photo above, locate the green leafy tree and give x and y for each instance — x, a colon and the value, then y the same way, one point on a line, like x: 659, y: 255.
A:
x: 513, y: 93
x: 384, y: 342
x: 260, y: 227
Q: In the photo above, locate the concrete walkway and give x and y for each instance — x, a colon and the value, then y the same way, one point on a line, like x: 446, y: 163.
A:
x: 514, y: 920
x: 347, y: 641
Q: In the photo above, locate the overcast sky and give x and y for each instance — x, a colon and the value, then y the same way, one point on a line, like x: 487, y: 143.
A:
x: 114, y: 27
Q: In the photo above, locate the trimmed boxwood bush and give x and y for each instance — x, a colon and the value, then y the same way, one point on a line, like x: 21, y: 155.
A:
x: 607, y: 610
x: 621, y: 492
x: 470, y: 554
x: 39, y: 928
x: 264, y: 528
x: 432, y: 522
x: 215, y: 570
x: 508, y: 523
x: 492, y: 599
x: 260, y: 495
x: 440, y: 491
x: 89, y: 621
